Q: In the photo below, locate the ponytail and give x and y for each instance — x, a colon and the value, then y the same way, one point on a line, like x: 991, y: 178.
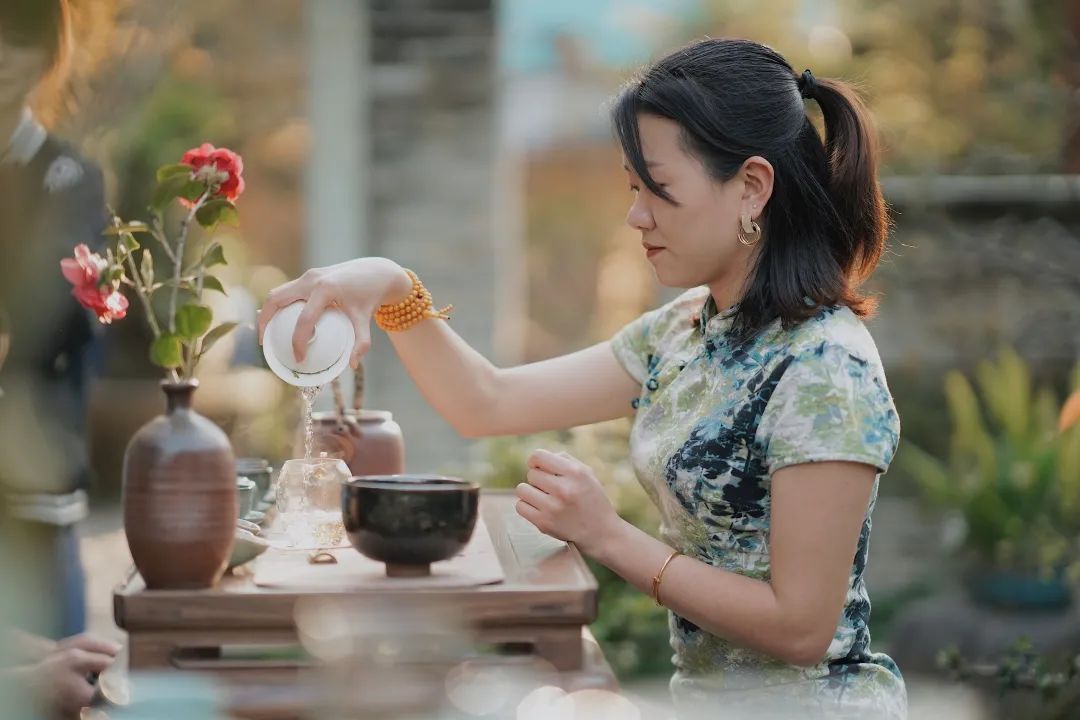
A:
x: 852, y: 149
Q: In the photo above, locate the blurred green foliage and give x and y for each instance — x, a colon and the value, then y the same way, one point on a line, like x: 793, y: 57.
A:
x: 1009, y: 471
x: 956, y: 86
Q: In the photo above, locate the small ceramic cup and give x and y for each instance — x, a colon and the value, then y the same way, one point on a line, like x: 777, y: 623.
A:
x: 259, y: 470
x: 245, y: 495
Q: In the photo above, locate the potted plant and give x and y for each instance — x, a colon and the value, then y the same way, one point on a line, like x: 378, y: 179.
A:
x: 179, y: 492
x: 1012, y: 474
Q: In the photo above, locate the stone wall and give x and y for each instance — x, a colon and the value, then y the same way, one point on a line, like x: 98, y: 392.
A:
x: 977, y: 262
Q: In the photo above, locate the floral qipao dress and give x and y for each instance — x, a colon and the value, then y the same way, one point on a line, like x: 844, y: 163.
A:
x: 713, y: 422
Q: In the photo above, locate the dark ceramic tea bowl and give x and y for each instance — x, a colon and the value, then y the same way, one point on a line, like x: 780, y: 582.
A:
x: 409, y: 521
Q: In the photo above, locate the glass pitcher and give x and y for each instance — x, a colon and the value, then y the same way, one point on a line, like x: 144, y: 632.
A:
x: 309, y: 502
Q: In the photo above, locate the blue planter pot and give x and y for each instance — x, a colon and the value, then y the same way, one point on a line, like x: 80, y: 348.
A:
x: 1019, y: 589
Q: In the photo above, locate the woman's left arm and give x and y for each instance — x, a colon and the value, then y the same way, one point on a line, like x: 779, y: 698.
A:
x: 817, y: 514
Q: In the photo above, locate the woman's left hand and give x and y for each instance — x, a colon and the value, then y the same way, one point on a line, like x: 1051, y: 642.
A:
x: 563, y: 498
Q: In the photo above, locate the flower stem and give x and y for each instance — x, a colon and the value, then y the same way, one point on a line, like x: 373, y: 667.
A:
x: 178, y: 260
x: 196, y: 346
x: 140, y: 290
x: 144, y: 298
x: 158, y: 233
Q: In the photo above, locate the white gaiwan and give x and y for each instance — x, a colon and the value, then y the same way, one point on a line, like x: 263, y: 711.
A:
x: 328, y: 350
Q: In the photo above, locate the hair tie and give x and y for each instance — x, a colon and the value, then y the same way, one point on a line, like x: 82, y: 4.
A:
x: 807, y: 84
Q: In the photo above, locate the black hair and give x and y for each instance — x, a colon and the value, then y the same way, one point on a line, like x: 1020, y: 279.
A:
x: 825, y: 226
x: 36, y: 23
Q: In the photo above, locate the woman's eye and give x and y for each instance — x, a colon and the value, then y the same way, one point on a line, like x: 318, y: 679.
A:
x: 635, y: 188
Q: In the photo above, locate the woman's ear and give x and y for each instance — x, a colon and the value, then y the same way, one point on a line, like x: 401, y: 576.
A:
x: 757, y: 175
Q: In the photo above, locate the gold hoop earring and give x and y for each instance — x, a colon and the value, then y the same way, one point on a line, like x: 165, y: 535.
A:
x: 749, y: 232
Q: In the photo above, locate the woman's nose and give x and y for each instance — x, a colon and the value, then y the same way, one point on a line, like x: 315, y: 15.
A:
x: 639, y: 217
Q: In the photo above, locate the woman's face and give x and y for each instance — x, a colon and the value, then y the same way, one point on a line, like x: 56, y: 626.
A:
x: 21, y: 69
x: 695, y: 242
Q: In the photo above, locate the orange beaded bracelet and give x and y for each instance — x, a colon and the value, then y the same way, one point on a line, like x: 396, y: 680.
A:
x: 416, y: 307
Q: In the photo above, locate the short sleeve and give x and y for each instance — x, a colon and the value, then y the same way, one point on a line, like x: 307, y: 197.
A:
x: 830, y: 405
x: 638, y: 343
x: 633, y: 345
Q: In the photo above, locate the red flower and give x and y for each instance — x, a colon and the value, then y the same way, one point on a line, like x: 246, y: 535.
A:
x: 84, y: 273
x: 221, y: 169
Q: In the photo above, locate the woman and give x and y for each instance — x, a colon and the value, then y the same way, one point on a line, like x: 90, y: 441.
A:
x: 51, y: 199
x: 761, y: 415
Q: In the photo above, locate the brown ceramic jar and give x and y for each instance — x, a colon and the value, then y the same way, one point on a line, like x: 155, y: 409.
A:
x: 369, y: 441
x: 179, y: 496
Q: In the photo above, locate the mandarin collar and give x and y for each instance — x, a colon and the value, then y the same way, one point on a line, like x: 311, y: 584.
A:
x: 710, y: 321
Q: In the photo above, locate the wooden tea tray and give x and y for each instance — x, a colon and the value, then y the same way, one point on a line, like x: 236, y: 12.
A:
x: 546, y: 598
x: 278, y: 568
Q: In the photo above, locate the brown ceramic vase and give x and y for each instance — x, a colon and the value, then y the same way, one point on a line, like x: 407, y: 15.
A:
x: 180, y: 496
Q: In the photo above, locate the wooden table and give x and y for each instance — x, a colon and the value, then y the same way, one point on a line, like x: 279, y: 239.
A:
x: 541, y: 609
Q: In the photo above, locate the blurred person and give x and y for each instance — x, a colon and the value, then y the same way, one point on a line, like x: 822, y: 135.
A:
x: 39, y: 675
x: 51, y: 199
x: 762, y: 417
x: 60, y: 678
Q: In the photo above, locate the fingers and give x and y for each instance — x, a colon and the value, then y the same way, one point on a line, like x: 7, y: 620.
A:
x: 530, y: 513
x: 554, y: 463
x: 72, y: 696
x: 91, y: 644
x: 362, y: 333
x: 544, y: 481
x: 88, y: 662
x: 535, y: 497
x: 278, y: 298
x: 305, y: 322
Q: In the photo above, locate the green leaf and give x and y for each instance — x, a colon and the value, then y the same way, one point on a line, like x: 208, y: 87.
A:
x: 192, y: 321
x: 193, y: 190
x: 216, y: 334
x: 147, y: 268
x: 167, y: 285
x: 128, y: 241
x: 212, y: 283
x: 173, y: 187
x: 214, y: 255
x: 166, y: 352
x: 169, y: 171
x: 167, y: 191
x: 931, y: 474
x: 132, y: 227
x: 217, y: 210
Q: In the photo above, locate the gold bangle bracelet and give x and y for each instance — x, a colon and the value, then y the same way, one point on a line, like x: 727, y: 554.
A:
x: 659, y: 576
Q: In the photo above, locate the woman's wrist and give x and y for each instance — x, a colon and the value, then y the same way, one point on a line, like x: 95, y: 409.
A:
x: 399, y: 285
x: 610, y: 542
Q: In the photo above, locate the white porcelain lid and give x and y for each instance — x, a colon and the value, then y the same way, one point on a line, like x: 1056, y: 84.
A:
x: 328, y: 352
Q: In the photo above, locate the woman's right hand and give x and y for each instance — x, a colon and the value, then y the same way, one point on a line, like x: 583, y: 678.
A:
x: 356, y: 287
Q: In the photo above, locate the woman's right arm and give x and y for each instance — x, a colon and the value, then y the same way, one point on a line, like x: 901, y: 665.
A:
x: 465, y: 388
